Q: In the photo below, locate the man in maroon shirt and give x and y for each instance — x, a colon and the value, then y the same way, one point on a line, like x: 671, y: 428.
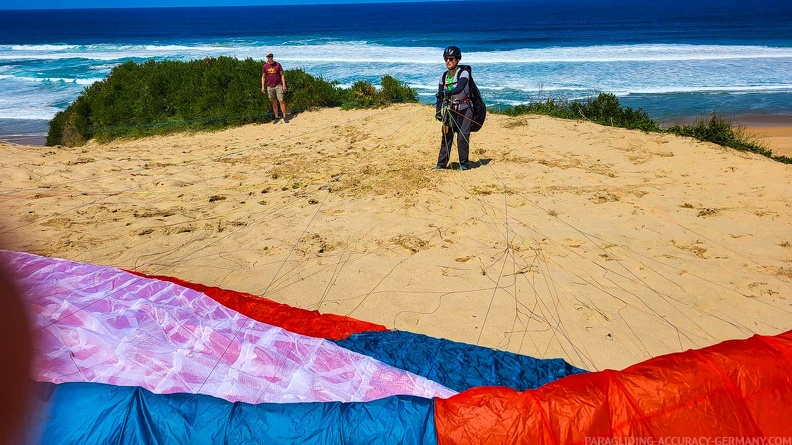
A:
x: 274, y: 82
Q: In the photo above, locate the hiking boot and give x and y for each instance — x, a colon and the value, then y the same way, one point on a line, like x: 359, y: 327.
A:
x: 463, y: 167
x: 275, y: 120
x: 439, y: 167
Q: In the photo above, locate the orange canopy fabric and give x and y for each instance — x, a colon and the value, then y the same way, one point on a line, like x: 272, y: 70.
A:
x: 718, y: 395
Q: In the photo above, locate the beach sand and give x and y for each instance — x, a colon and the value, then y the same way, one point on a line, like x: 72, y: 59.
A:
x: 600, y: 245
x: 777, y: 138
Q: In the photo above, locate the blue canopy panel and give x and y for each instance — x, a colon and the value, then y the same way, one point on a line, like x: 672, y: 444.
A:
x: 458, y: 366
x: 93, y: 413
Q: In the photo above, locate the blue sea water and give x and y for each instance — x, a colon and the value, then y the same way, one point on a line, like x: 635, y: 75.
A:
x: 676, y: 60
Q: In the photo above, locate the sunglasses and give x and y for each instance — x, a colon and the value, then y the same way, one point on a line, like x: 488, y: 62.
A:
x: 449, y: 58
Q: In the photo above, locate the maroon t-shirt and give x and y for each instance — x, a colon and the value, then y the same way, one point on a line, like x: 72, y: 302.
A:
x: 273, y: 72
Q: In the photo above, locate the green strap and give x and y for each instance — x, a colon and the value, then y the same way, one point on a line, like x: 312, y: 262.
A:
x: 449, y: 80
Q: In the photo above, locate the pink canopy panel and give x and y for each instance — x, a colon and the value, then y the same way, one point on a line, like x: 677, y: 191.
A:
x: 103, y: 325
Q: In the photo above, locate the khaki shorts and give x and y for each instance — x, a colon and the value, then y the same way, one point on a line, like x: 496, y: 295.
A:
x: 275, y: 93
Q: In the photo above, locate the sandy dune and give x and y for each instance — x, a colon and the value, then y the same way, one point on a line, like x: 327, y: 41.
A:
x: 568, y: 239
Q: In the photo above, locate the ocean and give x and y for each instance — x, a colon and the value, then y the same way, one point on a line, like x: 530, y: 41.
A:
x: 676, y: 60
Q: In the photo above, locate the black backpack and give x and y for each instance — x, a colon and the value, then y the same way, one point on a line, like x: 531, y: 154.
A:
x: 479, y: 107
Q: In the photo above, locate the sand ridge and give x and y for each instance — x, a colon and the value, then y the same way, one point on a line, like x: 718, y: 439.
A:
x: 567, y: 239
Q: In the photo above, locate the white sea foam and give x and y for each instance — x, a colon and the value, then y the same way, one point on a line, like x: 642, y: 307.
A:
x: 358, y: 51
x: 631, y: 53
x: 88, y: 81
x: 636, y: 89
x: 41, y: 79
x: 35, y: 100
x: 21, y: 112
x: 39, y: 48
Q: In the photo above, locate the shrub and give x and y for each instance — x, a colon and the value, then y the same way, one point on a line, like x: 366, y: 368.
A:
x: 395, y: 91
x: 606, y: 110
x: 549, y: 107
x: 155, y: 97
x: 723, y: 131
x: 306, y: 91
x: 364, y: 95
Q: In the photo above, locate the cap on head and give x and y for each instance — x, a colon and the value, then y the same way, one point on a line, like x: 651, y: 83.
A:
x: 452, y: 51
x: 269, y: 54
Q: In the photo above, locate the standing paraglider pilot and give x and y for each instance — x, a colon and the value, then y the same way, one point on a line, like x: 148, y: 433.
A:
x: 454, y: 110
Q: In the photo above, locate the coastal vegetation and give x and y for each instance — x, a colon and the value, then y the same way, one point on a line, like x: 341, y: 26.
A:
x: 605, y: 109
x: 159, y: 97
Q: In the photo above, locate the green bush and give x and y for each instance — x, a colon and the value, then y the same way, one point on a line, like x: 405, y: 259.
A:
x: 721, y: 131
x: 549, y: 107
x: 305, y: 91
x: 364, y: 95
x: 156, y: 97
x: 606, y: 110
x: 395, y: 91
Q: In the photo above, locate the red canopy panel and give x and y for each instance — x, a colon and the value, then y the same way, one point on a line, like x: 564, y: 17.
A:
x: 300, y: 321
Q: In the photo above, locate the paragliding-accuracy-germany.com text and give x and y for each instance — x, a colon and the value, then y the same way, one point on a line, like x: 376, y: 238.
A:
x: 689, y: 440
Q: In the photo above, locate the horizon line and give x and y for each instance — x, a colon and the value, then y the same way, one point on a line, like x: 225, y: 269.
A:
x: 268, y: 3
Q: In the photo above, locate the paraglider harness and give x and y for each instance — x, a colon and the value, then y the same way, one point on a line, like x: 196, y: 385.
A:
x: 473, y: 100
